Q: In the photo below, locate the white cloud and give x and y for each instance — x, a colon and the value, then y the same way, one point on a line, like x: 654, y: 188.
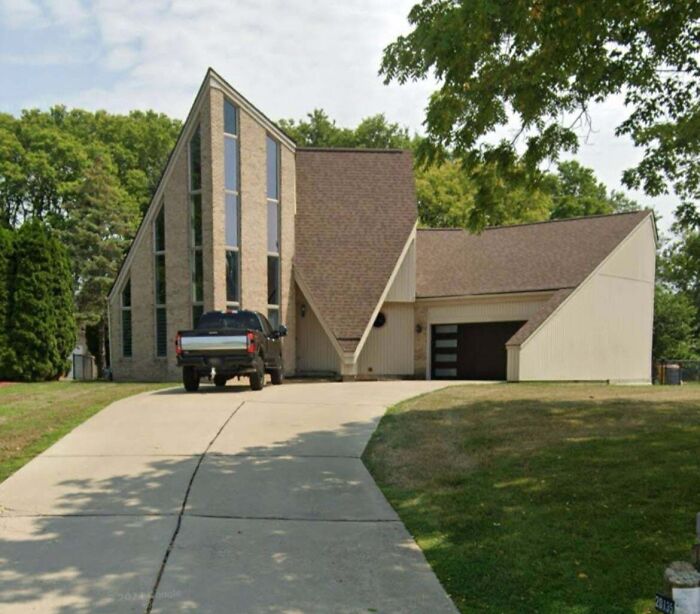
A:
x: 18, y: 14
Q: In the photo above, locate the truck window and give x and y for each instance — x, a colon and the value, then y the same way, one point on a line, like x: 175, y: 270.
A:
x: 239, y: 320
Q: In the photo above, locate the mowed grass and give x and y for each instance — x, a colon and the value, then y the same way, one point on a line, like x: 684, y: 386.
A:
x: 34, y: 416
x: 559, y: 499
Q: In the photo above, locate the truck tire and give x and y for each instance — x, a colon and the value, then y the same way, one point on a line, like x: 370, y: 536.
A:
x: 220, y: 381
x: 277, y: 376
x: 190, y: 379
x: 257, y: 379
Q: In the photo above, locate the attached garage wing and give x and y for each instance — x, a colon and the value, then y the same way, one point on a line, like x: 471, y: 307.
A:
x: 475, y: 351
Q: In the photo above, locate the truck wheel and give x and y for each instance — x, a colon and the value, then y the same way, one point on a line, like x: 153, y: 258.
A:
x: 257, y: 379
x: 220, y: 381
x: 190, y: 379
x: 277, y: 376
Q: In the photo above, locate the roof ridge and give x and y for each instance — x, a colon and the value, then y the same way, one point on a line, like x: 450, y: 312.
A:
x: 355, y: 149
x: 565, y: 219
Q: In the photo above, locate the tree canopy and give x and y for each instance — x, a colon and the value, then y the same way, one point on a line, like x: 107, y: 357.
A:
x: 449, y: 195
x: 540, y: 65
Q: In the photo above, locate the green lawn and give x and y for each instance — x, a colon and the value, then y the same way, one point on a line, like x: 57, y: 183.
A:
x: 33, y: 416
x: 559, y: 499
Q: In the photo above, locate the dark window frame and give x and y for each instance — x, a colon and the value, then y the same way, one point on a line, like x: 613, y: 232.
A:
x: 160, y: 278
x: 194, y: 183
x: 233, y: 294
x: 127, y: 345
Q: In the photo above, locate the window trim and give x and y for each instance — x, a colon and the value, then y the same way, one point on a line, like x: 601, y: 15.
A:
x: 156, y: 305
x: 237, y: 194
x: 194, y: 248
x: 277, y: 201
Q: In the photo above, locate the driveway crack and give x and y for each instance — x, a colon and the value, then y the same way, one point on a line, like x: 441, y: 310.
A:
x: 181, y: 513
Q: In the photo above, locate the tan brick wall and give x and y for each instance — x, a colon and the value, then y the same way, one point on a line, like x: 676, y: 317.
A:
x: 253, y: 214
x: 420, y: 360
x: 213, y: 205
x: 253, y: 246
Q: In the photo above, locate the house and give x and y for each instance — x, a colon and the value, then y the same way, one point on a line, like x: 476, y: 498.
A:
x: 326, y: 242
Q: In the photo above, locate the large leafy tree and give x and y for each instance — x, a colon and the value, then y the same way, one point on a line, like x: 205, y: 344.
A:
x: 576, y: 192
x: 675, y: 325
x: 450, y: 195
x: 99, y: 222
x: 6, y: 282
x: 538, y: 66
x: 90, y: 176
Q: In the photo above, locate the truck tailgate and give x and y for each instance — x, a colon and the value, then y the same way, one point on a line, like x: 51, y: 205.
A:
x: 214, y: 342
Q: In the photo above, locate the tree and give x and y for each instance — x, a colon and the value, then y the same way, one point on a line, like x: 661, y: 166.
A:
x: 6, y: 282
x: 41, y: 327
x: 373, y: 132
x: 577, y: 192
x: 680, y: 266
x: 99, y: 224
x: 450, y: 195
x: 675, y: 325
x: 540, y: 64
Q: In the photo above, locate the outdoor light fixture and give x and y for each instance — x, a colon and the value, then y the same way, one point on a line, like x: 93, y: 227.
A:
x: 419, y: 329
x: 303, y: 310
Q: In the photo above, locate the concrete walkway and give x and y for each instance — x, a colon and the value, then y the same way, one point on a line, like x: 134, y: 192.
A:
x: 221, y: 501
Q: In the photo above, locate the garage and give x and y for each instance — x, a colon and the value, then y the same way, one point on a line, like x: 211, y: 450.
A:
x: 475, y: 350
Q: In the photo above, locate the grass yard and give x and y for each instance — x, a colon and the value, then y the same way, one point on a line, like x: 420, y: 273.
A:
x: 33, y: 416
x: 559, y: 499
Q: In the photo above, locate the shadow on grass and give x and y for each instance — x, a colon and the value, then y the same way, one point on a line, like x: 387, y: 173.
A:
x: 554, y: 507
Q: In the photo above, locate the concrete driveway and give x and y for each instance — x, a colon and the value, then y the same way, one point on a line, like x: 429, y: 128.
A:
x: 220, y: 501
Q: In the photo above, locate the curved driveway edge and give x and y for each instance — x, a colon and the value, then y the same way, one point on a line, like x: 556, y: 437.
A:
x: 230, y: 501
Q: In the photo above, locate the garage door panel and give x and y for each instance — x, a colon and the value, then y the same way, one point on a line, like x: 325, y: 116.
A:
x: 471, y: 350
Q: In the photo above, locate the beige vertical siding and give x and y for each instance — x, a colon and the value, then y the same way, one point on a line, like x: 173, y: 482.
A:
x: 604, y: 330
x: 389, y: 349
x: 314, y: 350
x: 483, y: 309
x: 404, y: 287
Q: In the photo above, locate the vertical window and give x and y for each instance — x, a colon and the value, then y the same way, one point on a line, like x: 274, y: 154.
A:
x: 160, y: 291
x: 273, y: 232
x: 126, y: 320
x: 232, y: 206
x: 196, y: 259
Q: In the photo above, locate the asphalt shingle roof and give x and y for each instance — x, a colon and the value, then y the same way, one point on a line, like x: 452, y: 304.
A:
x: 524, y: 258
x: 355, y: 212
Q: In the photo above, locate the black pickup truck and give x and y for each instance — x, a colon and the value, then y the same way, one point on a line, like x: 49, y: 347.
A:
x: 229, y: 344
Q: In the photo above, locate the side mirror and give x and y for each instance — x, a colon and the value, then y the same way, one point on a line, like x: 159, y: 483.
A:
x: 282, y: 330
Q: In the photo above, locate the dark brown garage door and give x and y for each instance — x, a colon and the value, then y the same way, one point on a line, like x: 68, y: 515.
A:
x: 471, y: 351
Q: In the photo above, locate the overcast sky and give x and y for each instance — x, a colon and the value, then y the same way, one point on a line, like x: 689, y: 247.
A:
x: 287, y: 57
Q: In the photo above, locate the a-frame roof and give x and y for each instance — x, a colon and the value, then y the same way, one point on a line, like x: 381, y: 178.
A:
x: 356, y: 209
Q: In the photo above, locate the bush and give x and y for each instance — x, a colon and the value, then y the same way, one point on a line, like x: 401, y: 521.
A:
x: 41, y: 328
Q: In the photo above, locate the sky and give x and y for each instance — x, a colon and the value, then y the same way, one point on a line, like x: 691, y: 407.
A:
x: 288, y: 57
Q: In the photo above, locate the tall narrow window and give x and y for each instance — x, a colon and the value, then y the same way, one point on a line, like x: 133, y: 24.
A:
x: 196, y: 260
x: 273, y: 232
x: 232, y: 206
x: 160, y: 294
x: 126, y: 320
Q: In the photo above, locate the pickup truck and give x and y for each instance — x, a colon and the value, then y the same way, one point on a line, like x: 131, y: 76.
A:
x: 228, y: 344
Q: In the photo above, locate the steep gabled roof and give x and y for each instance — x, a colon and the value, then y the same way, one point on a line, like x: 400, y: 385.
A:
x: 355, y: 212
x: 524, y: 258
